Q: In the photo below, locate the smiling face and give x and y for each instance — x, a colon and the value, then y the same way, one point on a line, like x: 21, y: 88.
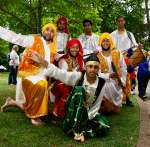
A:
x: 48, y: 34
x: 91, y: 70
x: 74, y: 50
x: 105, y: 44
x: 120, y: 22
x: 61, y: 26
x: 87, y: 27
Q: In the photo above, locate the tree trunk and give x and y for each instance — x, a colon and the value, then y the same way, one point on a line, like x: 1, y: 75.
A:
x: 148, y: 17
x: 32, y: 19
x: 39, y: 17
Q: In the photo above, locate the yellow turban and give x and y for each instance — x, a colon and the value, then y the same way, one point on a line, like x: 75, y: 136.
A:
x: 49, y: 25
x: 52, y: 44
x: 107, y: 36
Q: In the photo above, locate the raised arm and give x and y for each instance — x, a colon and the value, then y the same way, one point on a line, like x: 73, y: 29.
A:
x: 21, y: 40
x: 68, y: 78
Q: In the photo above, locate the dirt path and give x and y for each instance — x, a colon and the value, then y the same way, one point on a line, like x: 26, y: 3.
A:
x: 144, y: 134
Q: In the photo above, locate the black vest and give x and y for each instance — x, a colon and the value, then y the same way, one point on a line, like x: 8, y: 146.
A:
x: 100, y: 85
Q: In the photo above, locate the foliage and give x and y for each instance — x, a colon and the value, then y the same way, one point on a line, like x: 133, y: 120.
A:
x: 28, y: 16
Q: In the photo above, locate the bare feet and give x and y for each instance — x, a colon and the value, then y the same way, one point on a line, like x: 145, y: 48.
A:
x: 79, y: 137
x: 36, y: 121
x: 55, y: 114
x: 9, y: 102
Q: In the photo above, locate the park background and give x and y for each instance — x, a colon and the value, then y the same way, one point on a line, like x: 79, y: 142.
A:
x: 27, y: 17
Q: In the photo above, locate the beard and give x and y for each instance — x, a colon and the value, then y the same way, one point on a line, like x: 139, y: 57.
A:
x: 91, y: 74
x: 105, y: 49
x: 61, y: 28
x: 47, y: 38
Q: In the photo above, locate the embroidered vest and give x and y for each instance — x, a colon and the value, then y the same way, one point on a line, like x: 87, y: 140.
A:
x: 115, y: 57
x: 100, y: 85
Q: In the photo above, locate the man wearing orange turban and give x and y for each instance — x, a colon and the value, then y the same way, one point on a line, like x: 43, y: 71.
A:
x: 32, y: 86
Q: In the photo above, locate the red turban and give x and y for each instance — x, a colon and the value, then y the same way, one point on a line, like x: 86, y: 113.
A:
x: 62, y: 18
x: 79, y: 57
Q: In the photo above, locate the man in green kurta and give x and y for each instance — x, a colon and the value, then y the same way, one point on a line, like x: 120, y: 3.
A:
x: 82, y: 118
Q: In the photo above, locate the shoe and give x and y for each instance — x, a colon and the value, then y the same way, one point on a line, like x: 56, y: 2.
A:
x: 129, y: 103
x: 144, y: 98
x: 90, y: 134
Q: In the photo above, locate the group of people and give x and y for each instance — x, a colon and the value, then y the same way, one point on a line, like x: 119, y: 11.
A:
x: 84, y: 77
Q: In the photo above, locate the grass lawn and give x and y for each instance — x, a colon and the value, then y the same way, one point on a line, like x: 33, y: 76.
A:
x: 17, y: 131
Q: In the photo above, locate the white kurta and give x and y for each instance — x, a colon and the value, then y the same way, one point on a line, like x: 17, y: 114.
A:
x: 71, y: 79
x: 14, y: 58
x: 61, y: 41
x: 89, y: 43
x: 112, y: 90
x: 122, y: 41
x: 24, y: 41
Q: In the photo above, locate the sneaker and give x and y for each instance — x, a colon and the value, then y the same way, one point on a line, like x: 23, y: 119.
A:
x: 144, y: 97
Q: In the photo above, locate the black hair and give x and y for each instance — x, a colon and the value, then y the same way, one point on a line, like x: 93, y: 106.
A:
x: 87, y: 21
x: 91, y: 57
x: 120, y: 16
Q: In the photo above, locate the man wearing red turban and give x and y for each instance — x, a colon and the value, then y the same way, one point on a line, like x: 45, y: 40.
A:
x: 62, y: 34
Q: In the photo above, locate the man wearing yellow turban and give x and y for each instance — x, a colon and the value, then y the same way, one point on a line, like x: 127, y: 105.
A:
x: 112, y: 67
x: 32, y: 86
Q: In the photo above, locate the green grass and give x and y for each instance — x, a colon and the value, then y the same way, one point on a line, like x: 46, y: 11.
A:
x: 17, y: 131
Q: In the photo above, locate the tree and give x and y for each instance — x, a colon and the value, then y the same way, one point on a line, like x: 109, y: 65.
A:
x: 28, y: 16
x: 147, y: 9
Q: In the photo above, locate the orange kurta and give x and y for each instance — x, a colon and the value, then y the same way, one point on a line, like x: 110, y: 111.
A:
x: 36, y: 95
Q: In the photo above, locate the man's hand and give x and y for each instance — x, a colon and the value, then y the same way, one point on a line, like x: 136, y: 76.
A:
x: 96, y: 52
x: 37, y: 59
